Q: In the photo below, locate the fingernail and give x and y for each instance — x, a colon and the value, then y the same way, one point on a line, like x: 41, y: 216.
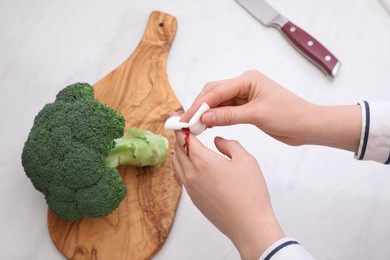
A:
x: 173, y: 113
x: 209, y: 118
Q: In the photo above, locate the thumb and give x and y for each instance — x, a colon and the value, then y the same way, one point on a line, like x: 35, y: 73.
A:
x: 230, y: 148
x: 224, y: 116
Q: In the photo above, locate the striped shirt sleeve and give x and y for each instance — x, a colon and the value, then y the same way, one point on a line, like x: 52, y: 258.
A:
x: 286, y: 249
x: 375, y: 133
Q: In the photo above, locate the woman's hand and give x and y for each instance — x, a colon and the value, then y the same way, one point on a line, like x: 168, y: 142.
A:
x: 230, y: 191
x: 252, y: 98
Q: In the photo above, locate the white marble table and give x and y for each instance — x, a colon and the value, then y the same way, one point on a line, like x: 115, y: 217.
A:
x: 337, y: 207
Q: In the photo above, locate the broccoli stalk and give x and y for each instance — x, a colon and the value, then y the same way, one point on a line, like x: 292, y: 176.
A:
x: 73, y: 149
x: 143, y: 148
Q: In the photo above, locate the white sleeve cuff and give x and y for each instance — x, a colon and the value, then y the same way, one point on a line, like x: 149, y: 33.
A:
x: 286, y: 249
x: 375, y: 134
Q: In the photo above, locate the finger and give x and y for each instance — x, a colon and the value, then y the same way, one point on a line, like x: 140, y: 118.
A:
x: 212, y: 94
x: 231, y: 148
x: 215, y: 93
x: 173, y: 113
x: 181, y: 136
x: 199, y: 100
x: 178, y: 168
x: 184, y: 138
x: 230, y: 115
x: 190, y: 146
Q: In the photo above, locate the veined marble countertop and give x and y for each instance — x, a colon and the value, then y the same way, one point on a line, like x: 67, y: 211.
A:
x: 336, y: 206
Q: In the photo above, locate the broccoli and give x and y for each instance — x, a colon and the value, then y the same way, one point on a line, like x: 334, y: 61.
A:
x: 74, y: 147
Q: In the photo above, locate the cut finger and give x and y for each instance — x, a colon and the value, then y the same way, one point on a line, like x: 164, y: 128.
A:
x: 190, y: 146
x: 179, y: 173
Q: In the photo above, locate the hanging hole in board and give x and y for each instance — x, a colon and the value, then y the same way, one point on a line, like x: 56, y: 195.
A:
x: 161, y: 24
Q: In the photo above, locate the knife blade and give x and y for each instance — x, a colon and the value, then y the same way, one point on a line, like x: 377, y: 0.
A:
x: 312, y: 49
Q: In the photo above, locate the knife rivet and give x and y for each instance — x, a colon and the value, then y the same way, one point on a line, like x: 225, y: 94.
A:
x: 328, y: 58
x: 293, y: 29
x: 310, y: 43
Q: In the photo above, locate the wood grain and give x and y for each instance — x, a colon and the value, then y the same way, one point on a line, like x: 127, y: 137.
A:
x: 139, y: 89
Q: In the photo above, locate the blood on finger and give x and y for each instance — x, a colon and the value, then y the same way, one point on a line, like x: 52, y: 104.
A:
x: 186, y: 144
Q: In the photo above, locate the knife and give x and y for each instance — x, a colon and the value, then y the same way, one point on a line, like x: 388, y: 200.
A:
x: 312, y: 49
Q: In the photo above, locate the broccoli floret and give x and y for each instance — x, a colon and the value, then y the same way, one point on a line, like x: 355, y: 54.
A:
x: 106, y: 193
x: 66, y: 152
x: 75, y: 92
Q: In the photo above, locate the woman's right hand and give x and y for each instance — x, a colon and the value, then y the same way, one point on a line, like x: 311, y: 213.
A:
x: 252, y: 98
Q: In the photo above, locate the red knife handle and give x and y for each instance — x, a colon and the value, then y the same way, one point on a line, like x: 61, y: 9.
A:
x: 312, y: 49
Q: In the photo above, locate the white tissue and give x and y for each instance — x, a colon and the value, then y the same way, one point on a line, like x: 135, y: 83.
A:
x: 173, y: 123
x: 195, y: 126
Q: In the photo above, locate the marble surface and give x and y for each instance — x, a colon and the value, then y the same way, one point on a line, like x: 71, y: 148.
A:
x: 337, y: 207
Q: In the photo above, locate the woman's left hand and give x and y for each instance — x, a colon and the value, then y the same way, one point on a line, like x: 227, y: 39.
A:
x: 230, y: 191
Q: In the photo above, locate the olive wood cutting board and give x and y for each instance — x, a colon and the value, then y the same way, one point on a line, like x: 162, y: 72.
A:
x: 139, y: 89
